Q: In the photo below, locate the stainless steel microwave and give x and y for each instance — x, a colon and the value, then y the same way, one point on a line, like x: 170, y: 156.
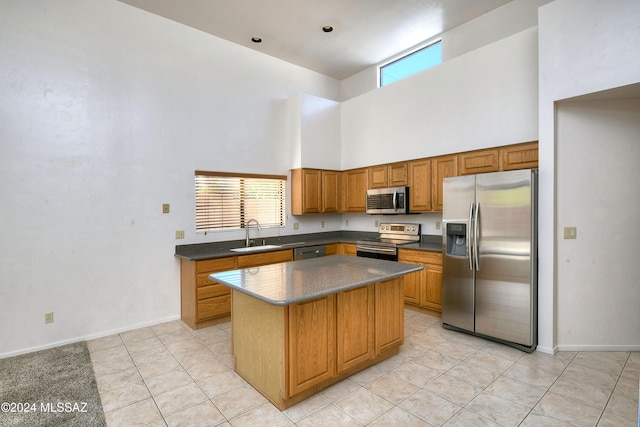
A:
x: 393, y: 200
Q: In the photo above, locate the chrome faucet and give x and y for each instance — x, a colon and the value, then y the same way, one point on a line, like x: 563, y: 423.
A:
x: 246, y: 226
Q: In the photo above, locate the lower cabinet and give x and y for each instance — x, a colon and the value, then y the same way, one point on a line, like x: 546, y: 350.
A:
x: 204, y: 302
x: 423, y: 288
x: 348, y: 249
x: 340, y: 332
x: 311, y: 343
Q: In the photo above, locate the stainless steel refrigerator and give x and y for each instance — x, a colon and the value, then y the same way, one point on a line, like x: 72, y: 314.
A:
x: 489, y: 285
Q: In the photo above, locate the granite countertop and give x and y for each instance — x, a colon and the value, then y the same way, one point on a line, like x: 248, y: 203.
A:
x: 296, y: 281
x: 202, y: 251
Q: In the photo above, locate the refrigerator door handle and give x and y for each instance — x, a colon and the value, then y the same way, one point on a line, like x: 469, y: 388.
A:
x: 469, y: 237
x: 476, y: 246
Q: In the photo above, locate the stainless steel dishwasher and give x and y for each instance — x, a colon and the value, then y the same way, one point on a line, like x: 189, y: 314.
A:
x: 309, y: 252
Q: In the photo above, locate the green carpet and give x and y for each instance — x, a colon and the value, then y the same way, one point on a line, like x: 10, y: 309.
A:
x: 54, y: 387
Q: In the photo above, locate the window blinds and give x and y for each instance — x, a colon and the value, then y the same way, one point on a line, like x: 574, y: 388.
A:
x: 228, y: 201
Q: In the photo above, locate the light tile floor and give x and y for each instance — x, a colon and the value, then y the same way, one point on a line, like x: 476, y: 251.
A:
x: 170, y: 375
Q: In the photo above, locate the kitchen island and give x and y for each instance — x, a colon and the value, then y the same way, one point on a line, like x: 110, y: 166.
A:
x: 299, y: 327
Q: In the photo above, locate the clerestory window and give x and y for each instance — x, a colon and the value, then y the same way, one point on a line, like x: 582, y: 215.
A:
x: 411, y: 63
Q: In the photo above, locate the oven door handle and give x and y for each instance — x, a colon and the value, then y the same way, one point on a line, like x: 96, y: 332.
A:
x: 375, y: 249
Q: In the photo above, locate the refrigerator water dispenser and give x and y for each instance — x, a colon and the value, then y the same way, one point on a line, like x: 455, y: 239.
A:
x: 457, y: 239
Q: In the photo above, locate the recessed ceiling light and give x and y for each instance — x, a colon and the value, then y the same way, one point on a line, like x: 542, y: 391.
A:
x: 256, y: 39
x: 327, y: 28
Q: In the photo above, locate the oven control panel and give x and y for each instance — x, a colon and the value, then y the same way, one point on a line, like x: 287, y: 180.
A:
x: 397, y: 228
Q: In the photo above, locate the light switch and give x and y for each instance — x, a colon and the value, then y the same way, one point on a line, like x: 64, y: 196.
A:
x: 570, y: 232
x: 165, y: 208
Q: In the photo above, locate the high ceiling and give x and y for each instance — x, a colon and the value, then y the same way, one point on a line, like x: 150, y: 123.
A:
x: 365, y: 32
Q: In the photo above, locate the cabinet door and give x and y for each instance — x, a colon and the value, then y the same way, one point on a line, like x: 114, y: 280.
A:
x: 432, y: 291
x: 419, y: 172
x: 389, y: 315
x: 480, y: 161
x: 355, y: 324
x: 355, y: 190
x: 412, y: 281
x: 331, y: 191
x: 348, y: 249
x: 378, y: 176
x: 398, y: 174
x: 311, y: 343
x: 442, y: 167
x: 305, y: 191
x: 521, y: 156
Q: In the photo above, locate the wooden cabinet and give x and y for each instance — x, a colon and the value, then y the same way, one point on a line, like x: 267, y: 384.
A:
x: 419, y: 172
x: 355, y: 327
x: 520, y: 156
x: 204, y: 302
x: 441, y: 167
x: 265, y: 258
x: 348, y: 249
x: 390, y: 175
x: 340, y: 332
x: 311, y: 343
x: 331, y: 191
x: 389, y: 315
x: 479, y: 161
x: 423, y: 288
x: 332, y: 249
x: 354, y: 190
x: 315, y: 191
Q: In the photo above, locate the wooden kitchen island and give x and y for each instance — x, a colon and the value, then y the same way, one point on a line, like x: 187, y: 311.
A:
x: 301, y: 326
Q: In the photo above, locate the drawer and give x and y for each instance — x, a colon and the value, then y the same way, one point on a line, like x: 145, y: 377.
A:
x: 209, y: 291
x: 424, y: 257
x: 265, y: 258
x: 218, y: 264
x: 214, y: 307
x: 202, y: 279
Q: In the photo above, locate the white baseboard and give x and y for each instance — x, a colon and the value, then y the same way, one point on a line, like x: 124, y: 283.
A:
x: 89, y: 337
x: 574, y: 347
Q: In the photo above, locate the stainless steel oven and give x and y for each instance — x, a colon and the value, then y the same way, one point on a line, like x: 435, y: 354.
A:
x: 390, y: 237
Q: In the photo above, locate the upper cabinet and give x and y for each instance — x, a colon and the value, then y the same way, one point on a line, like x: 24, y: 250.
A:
x: 315, y: 191
x: 441, y: 168
x: 420, y: 185
x: 479, y: 161
x: 520, y: 156
x: 331, y: 191
x: 354, y: 190
x: 327, y: 191
x: 393, y: 175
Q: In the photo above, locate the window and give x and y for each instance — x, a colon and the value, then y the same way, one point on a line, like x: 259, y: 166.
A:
x: 227, y: 201
x: 411, y: 63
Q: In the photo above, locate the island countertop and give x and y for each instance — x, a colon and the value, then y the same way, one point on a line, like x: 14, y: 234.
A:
x: 297, y: 281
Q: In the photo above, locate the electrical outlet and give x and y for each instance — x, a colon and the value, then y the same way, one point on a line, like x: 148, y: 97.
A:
x: 48, y: 317
x: 437, y: 225
x: 296, y: 225
x: 570, y: 233
x: 377, y: 223
x: 180, y: 234
x: 321, y: 224
x: 346, y: 222
x: 165, y: 208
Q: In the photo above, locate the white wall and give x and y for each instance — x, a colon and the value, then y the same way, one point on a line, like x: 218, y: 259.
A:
x: 598, y: 150
x: 585, y: 46
x: 484, y: 98
x: 105, y: 112
x: 502, y: 22
x: 315, y: 130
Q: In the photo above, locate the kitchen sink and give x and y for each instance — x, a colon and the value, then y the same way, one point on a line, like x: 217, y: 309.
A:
x: 254, y: 248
